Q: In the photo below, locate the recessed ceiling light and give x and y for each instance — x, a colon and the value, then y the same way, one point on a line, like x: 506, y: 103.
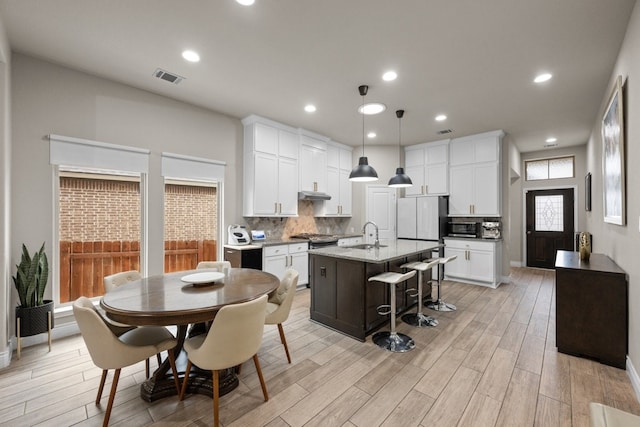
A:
x: 372, y: 108
x: 551, y: 140
x: 246, y: 2
x: 540, y: 78
x: 441, y: 117
x: 389, y: 76
x: 310, y: 108
x: 371, y: 135
x: 191, y: 56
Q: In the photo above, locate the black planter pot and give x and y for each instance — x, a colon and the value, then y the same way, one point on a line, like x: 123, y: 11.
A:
x: 34, y: 320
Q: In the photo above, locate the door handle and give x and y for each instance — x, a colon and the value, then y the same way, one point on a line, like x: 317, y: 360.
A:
x: 528, y: 232
x: 323, y: 271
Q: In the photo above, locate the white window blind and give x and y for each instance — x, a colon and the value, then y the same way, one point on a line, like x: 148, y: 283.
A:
x: 196, y: 168
x: 69, y: 151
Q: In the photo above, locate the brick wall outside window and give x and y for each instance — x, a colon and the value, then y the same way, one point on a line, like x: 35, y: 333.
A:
x: 99, y: 210
x: 190, y: 212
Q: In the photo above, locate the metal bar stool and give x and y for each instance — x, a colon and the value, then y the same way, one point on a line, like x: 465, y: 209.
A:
x: 392, y: 340
x: 418, y: 318
x: 439, y: 304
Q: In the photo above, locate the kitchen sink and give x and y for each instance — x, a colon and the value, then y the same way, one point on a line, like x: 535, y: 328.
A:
x: 365, y: 246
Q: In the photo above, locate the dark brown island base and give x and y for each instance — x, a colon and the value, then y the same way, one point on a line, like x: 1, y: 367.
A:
x: 343, y: 299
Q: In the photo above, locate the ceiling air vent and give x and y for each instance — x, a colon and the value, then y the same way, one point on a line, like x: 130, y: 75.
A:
x: 444, y: 131
x: 167, y: 76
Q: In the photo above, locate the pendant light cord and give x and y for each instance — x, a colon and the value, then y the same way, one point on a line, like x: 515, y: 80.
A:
x: 362, y: 125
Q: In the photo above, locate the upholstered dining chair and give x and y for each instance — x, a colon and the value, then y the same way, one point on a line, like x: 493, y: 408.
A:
x: 218, y: 265
x: 112, y: 282
x: 109, y: 351
x: 279, y: 305
x: 234, y: 337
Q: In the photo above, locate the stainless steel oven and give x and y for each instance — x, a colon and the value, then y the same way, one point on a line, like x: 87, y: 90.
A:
x: 464, y: 229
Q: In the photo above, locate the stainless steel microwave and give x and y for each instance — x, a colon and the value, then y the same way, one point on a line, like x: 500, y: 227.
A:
x: 464, y: 229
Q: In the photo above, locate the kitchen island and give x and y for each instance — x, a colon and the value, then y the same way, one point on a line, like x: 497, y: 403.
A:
x: 343, y: 299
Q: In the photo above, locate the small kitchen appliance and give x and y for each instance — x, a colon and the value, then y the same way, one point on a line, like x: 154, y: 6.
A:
x: 258, y: 235
x: 464, y: 229
x: 238, y: 235
x: 490, y: 230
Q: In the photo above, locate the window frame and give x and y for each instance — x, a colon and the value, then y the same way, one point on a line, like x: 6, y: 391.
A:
x: 548, y: 161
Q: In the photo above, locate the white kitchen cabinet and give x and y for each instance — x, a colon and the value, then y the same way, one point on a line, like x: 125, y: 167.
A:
x: 313, y: 162
x: 339, y: 158
x: 477, y: 262
x: 277, y: 259
x: 427, y: 166
x: 475, y: 186
x: 270, y: 168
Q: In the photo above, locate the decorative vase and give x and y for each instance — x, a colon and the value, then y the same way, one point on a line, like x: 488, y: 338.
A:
x: 585, y: 246
x: 34, y: 320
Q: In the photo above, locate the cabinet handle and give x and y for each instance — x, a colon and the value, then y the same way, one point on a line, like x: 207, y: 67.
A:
x: 279, y: 207
x: 315, y: 186
x: 275, y: 208
x: 422, y: 189
x: 426, y: 189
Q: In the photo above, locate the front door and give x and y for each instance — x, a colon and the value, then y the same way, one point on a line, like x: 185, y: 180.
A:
x: 549, y: 225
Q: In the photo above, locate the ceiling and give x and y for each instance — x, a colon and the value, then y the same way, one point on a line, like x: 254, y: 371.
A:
x: 472, y: 60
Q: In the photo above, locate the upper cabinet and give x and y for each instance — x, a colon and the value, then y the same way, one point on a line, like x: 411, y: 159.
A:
x: 313, y: 162
x: 428, y: 167
x: 339, y: 159
x: 270, y: 180
x: 475, y: 184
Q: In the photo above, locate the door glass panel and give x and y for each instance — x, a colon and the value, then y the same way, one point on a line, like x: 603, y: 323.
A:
x: 549, y: 213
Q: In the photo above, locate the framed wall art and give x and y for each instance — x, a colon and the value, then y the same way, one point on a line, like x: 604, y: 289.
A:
x: 613, y: 184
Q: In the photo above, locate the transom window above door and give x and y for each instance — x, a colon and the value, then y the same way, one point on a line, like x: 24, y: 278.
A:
x: 555, y: 168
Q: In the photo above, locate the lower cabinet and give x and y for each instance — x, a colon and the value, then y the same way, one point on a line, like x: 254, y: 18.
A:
x: 592, y: 300
x: 477, y: 262
x: 278, y: 259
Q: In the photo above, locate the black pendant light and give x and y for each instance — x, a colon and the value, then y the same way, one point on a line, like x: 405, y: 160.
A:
x: 363, y: 172
x: 400, y: 179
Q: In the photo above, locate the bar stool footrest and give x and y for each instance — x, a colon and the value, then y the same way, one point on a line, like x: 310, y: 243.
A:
x: 384, y: 309
x: 412, y: 295
x: 419, y: 320
x: 393, y: 341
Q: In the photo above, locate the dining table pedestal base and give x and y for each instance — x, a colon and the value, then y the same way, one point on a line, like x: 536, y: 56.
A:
x: 200, y: 382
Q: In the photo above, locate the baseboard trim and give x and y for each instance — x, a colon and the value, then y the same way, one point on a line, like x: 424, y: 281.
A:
x: 5, y: 358
x: 59, y: 331
x: 633, y: 376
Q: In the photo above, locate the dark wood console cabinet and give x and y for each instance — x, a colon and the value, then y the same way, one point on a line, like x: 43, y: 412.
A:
x: 591, y: 308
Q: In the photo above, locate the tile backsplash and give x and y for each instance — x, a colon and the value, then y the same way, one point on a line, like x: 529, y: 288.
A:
x: 305, y: 222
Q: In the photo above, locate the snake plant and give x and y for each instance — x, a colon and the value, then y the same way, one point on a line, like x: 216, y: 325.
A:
x: 31, y: 277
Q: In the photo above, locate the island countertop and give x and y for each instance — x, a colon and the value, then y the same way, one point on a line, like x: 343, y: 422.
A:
x: 388, y: 251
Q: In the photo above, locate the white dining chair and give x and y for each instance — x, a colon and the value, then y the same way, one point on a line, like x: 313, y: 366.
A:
x: 112, y: 282
x: 109, y: 351
x: 234, y: 337
x: 218, y: 265
x: 279, y: 305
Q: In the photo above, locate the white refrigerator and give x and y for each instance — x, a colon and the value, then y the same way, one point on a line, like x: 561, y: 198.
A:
x: 422, y: 218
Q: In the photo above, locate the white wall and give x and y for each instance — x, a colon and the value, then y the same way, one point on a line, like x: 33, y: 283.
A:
x: 5, y: 194
x: 622, y: 243
x: 49, y: 99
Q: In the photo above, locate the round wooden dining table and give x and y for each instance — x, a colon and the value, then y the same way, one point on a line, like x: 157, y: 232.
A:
x: 168, y: 300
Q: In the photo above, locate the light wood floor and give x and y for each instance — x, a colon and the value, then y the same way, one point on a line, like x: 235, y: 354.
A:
x: 491, y: 363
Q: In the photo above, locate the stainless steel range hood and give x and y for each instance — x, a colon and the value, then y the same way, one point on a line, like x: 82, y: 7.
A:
x: 313, y: 195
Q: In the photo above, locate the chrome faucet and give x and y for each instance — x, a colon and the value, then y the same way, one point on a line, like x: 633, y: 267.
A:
x: 364, y: 227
